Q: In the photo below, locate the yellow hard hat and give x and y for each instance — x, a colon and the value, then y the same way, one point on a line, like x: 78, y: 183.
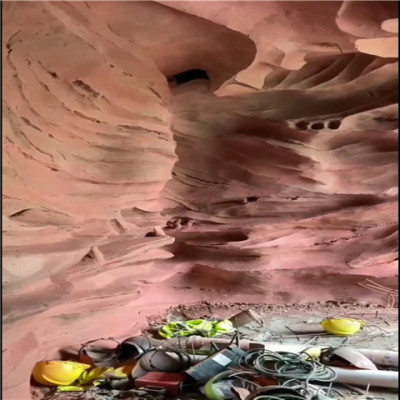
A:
x: 342, y: 327
x: 58, y: 373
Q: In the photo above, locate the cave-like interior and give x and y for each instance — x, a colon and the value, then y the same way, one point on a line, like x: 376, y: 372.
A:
x: 164, y: 153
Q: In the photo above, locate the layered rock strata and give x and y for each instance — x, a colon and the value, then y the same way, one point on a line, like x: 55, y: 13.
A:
x: 157, y: 153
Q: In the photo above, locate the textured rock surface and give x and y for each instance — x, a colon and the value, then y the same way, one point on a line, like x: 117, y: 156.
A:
x: 125, y: 193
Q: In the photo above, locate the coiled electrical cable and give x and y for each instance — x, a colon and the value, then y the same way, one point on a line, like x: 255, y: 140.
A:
x: 278, y: 393
x: 312, y: 391
x: 285, y: 366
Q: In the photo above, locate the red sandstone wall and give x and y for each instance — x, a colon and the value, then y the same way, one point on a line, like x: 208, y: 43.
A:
x: 274, y: 182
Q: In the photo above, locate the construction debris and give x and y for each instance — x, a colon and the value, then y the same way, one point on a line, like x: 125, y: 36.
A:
x: 191, y: 363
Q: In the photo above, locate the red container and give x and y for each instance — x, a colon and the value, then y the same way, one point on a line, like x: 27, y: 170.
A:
x: 171, y: 382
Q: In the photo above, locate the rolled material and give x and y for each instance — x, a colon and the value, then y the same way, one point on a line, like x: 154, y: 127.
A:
x: 385, y: 379
x: 194, y: 359
x: 159, y: 360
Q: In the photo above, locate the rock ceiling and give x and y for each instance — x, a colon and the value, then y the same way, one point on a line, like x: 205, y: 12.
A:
x: 129, y: 185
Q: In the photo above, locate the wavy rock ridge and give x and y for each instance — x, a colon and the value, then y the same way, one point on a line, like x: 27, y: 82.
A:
x: 267, y: 174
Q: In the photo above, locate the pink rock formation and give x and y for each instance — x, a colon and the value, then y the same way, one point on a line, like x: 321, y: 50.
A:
x: 127, y: 191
